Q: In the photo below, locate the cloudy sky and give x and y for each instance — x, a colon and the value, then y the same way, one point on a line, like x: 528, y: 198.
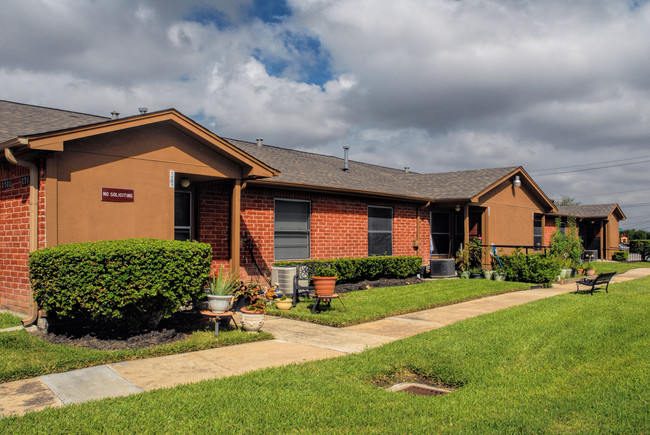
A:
x: 559, y: 87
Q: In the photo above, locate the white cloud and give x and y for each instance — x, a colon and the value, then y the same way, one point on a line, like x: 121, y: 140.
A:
x: 431, y: 84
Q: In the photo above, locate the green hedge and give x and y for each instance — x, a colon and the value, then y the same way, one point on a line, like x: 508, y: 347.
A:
x: 132, y: 282
x: 641, y: 247
x: 533, y: 268
x: 620, y: 256
x: 359, y: 269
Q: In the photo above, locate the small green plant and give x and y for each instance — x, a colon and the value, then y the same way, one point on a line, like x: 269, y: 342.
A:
x: 324, y: 271
x: 223, y: 284
x: 258, y: 305
x: 587, y: 264
x: 462, y: 259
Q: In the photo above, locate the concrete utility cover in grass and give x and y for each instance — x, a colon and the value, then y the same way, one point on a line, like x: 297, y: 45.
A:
x: 419, y: 389
x: 87, y: 384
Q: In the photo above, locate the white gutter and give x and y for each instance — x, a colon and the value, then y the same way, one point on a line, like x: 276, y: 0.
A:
x: 33, y: 219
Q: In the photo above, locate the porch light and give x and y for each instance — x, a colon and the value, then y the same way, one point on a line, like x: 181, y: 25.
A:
x: 185, y: 182
x: 516, y: 182
x: 457, y: 207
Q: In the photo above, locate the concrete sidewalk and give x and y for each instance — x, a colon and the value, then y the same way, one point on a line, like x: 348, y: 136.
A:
x: 295, y: 342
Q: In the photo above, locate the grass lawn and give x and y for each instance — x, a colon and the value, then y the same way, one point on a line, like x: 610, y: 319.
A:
x: 619, y: 267
x: 366, y: 305
x: 568, y: 364
x: 24, y: 355
x: 8, y: 320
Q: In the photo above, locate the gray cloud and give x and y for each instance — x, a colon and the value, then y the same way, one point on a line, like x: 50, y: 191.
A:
x: 435, y: 85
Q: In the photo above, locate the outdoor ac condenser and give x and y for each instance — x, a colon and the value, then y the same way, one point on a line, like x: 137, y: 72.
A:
x: 284, y: 276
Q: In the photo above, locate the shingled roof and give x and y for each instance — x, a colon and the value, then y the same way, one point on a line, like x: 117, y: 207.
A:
x: 17, y: 119
x: 319, y: 171
x: 596, y: 211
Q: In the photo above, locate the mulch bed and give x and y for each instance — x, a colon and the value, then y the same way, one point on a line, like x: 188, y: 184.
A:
x: 367, y: 284
x: 178, y: 327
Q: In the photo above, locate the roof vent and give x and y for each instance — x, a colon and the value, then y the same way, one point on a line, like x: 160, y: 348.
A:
x: 143, y: 110
x: 115, y: 114
x: 346, y: 163
x: 259, y: 141
x: 407, y: 169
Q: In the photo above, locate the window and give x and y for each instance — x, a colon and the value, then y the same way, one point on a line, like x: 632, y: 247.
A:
x: 537, y: 231
x: 380, y: 230
x: 291, y: 236
x: 182, y: 215
x: 440, y: 240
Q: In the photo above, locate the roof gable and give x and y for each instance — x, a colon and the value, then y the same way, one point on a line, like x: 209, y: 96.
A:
x: 597, y: 211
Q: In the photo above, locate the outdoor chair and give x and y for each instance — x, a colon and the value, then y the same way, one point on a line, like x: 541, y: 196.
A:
x: 304, y: 272
x: 602, y: 279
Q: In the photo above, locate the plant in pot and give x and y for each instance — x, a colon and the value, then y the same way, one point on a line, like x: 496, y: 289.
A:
x: 476, y: 273
x: 219, y: 291
x: 284, y: 303
x: 462, y: 260
x: 499, y: 274
x: 589, y: 270
x: 252, y: 316
x: 244, y: 294
x: 324, y: 279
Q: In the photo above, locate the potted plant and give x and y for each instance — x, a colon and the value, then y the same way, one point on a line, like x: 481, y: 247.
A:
x: 284, y: 303
x: 487, y: 274
x: 475, y: 273
x: 252, y: 316
x: 588, y: 269
x: 219, y: 291
x: 243, y: 294
x: 324, y: 280
x: 462, y: 260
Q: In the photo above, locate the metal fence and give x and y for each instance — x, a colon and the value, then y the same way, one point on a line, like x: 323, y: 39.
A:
x: 632, y: 256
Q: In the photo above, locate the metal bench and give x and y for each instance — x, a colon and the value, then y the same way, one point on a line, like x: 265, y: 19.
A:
x: 602, y: 279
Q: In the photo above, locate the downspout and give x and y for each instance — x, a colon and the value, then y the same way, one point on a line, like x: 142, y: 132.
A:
x: 33, y: 220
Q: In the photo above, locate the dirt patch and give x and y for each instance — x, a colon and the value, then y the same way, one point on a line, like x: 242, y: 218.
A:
x: 178, y: 327
x: 368, y: 284
x: 406, y: 376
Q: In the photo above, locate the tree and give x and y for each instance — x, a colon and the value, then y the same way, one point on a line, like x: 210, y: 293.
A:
x: 567, y: 200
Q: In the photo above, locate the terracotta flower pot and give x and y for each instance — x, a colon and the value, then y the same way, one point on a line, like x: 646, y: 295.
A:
x: 324, y: 285
x: 590, y: 272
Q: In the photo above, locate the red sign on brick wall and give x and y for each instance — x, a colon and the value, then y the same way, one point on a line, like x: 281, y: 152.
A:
x: 117, y: 195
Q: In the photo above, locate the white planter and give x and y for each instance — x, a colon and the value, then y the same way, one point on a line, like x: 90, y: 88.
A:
x: 219, y: 304
x: 252, y: 322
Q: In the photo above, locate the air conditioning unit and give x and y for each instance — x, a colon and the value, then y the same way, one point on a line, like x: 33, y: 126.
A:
x: 284, y: 276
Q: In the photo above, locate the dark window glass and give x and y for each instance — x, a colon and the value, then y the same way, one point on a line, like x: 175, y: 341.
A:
x: 291, y: 236
x: 380, y: 231
x: 537, y: 231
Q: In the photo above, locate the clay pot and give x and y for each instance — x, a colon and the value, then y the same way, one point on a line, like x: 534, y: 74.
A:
x: 324, y: 285
x: 284, y: 305
x: 251, y: 321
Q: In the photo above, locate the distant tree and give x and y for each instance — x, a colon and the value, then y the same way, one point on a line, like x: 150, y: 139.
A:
x: 567, y: 200
x: 637, y: 234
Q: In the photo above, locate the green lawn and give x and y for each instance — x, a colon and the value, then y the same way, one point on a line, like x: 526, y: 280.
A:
x: 8, y: 320
x: 366, y: 305
x: 568, y: 364
x: 619, y: 267
x: 24, y: 355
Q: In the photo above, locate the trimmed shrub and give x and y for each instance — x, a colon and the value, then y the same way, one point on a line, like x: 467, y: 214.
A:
x: 130, y: 283
x: 359, y: 269
x: 533, y: 268
x: 620, y: 256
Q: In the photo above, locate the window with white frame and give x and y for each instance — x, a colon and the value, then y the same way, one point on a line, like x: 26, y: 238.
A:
x: 291, y: 229
x: 380, y: 230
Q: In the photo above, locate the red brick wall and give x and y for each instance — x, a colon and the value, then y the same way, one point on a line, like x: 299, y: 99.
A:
x: 339, y: 225
x: 14, y: 237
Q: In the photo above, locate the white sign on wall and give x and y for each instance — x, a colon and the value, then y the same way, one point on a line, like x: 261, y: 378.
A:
x: 172, y: 179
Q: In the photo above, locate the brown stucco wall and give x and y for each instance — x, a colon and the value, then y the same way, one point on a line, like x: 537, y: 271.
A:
x: 510, y: 216
x: 139, y: 159
x: 612, y: 236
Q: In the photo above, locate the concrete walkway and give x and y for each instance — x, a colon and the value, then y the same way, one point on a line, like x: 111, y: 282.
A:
x: 294, y: 342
